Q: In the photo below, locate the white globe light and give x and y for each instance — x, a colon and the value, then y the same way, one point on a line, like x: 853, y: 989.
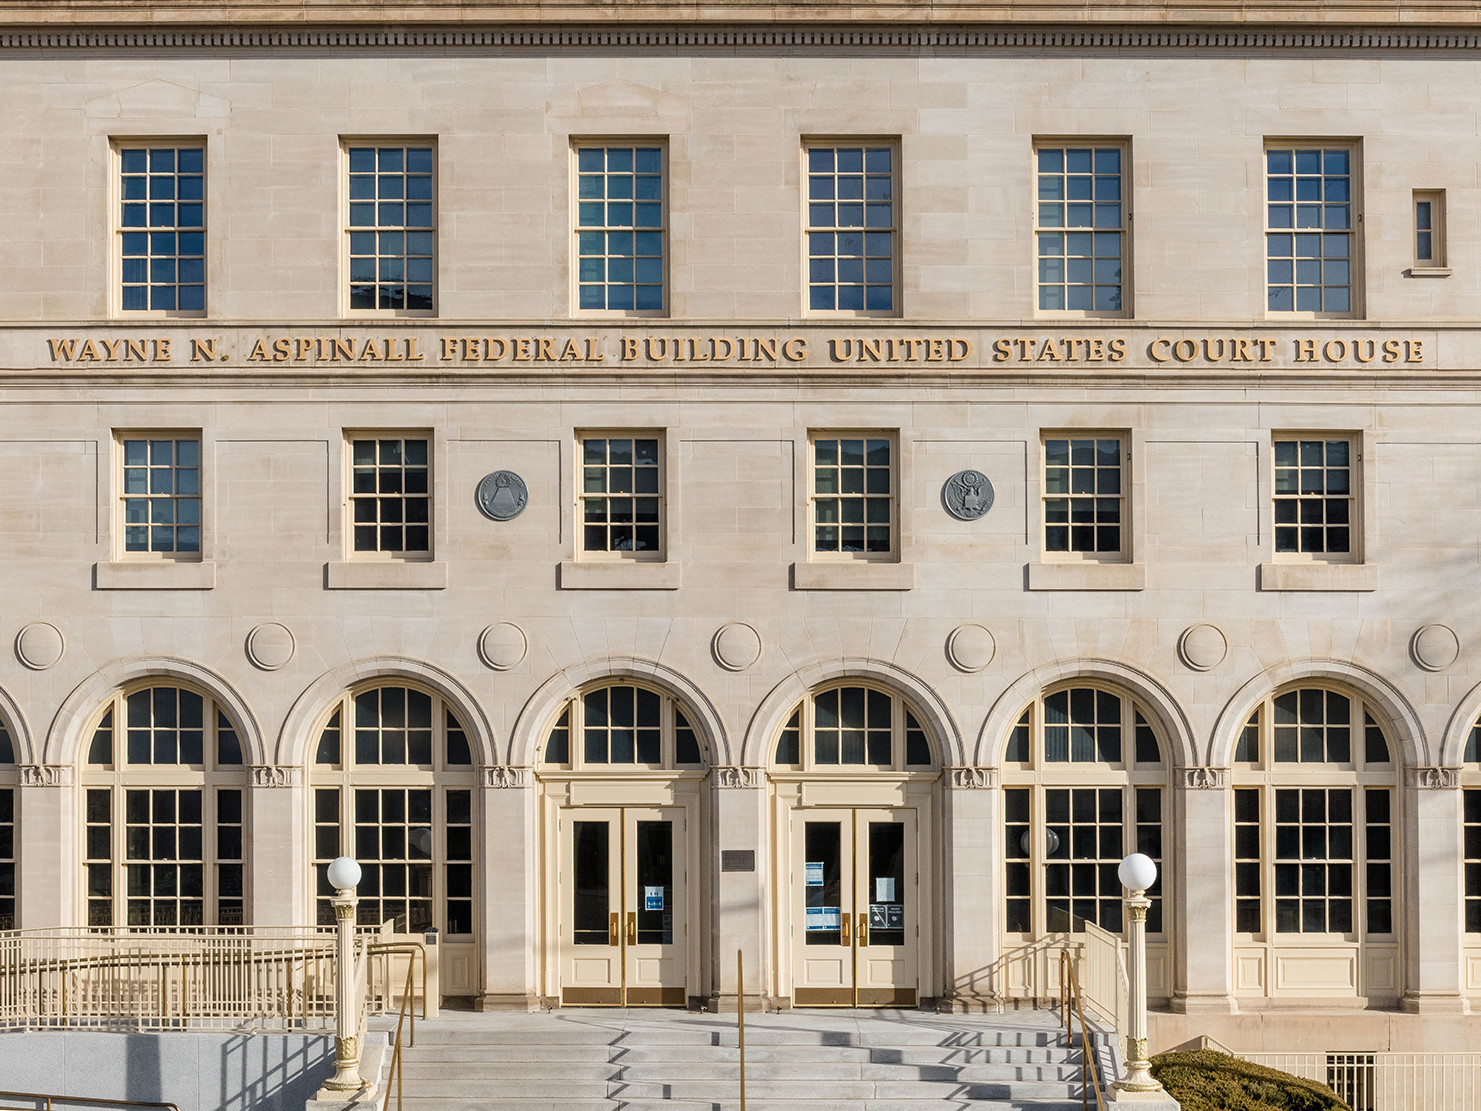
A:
x: 1137, y: 872
x: 343, y: 873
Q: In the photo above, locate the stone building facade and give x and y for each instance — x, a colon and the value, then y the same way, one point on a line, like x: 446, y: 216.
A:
x: 827, y: 485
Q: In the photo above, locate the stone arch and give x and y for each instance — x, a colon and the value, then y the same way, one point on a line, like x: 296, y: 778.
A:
x: 65, y: 739
x: 1400, y: 717
x: 20, y: 730
x: 1167, y: 716
x: 298, y: 727
x: 540, y: 707
x: 1453, y: 742
x: 782, y: 699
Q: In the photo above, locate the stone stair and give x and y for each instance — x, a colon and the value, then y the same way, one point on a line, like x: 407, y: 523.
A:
x: 616, y: 1060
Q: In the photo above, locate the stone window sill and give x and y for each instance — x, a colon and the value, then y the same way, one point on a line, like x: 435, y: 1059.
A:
x: 386, y: 575
x: 1429, y: 271
x: 155, y: 575
x: 1087, y: 575
x: 854, y: 575
x: 624, y: 574
x: 1319, y: 576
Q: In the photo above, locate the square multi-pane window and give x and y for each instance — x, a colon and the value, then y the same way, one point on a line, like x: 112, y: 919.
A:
x: 1085, y: 497
x: 620, y: 227
x: 622, y: 495
x: 1315, y: 498
x: 162, y: 228
x: 1080, y: 228
x: 853, y: 495
x: 159, y: 495
x: 390, y: 496
x: 391, y: 233
x: 852, y: 226
x: 1311, y: 244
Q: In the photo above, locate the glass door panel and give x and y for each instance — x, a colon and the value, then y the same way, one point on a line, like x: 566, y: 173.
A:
x: 590, y: 910
x: 591, y: 882
x: 653, y: 942
x: 824, y: 867
x: 888, y: 957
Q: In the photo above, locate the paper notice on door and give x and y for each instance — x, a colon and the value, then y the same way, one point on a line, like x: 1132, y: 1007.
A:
x: 813, y: 871
x: 884, y: 889
x: 822, y: 918
x: 886, y: 916
x: 652, y: 898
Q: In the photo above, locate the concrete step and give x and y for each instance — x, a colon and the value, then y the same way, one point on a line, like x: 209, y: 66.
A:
x: 649, y: 1054
x: 431, y: 1072
x: 824, y: 1103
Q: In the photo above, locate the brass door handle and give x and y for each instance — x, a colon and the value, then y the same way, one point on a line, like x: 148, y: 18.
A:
x: 632, y: 928
x: 613, y: 929
x: 847, y: 922
x: 863, y: 930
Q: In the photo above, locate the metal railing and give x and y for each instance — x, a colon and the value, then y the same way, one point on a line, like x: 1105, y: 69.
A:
x: 1070, y: 1010
x: 198, y: 979
x: 1387, y: 1081
x: 89, y: 1101
x: 407, y: 1010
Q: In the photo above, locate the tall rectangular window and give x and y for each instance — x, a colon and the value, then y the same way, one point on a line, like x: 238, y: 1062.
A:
x: 853, y: 495
x: 1429, y: 229
x: 392, y: 227
x: 622, y: 495
x: 1084, y: 496
x: 162, y: 228
x: 620, y: 227
x: 1310, y: 221
x: 1315, y: 500
x: 390, y: 496
x: 1081, y: 228
x: 160, y: 495
x: 852, y: 223
x: 7, y: 858
x: 1471, y: 817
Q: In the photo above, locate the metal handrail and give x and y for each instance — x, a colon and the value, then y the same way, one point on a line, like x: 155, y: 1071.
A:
x: 406, y: 1008
x: 34, y: 1097
x: 740, y: 1021
x: 1069, y: 994
x: 415, y: 948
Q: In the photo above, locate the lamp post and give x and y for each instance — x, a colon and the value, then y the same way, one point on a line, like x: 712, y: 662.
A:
x: 344, y: 874
x: 1137, y: 873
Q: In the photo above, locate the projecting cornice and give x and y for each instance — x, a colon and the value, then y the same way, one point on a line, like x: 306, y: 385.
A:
x: 886, y: 28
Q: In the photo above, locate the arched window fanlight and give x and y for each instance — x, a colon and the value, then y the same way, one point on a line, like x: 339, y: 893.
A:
x: 622, y: 725
x: 853, y: 727
x: 163, y: 795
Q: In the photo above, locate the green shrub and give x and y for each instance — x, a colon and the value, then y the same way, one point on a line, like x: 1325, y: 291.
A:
x: 1208, y: 1081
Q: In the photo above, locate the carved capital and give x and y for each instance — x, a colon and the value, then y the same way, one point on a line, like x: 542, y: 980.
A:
x: 46, y: 775
x: 974, y: 778
x: 276, y: 775
x: 344, y: 912
x: 506, y: 776
x: 1434, y: 779
x: 732, y: 777
x: 1205, y: 779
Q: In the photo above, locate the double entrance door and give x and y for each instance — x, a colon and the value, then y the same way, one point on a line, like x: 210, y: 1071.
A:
x: 856, y: 908
x: 622, y: 928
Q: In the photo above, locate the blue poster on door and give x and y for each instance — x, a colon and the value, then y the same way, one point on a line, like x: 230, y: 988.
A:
x: 652, y: 898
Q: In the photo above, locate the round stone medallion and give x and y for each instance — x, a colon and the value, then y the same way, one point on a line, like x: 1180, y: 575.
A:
x: 502, y: 645
x: 970, y: 648
x: 502, y: 496
x: 270, y: 646
x: 967, y: 495
x: 1435, y: 647
x: 39, y: 645
x: 737, y: 646
x: 1202, y: 647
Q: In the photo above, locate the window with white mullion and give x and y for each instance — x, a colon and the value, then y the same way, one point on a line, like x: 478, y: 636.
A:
x: 9, y: 846
x: 1310, y: 222
x: 851, y: 227
x: 1314, y: 496
x: 1084, y: 497
x: 1080, y: 229
x: 849, y: 727
x: 621, y: 726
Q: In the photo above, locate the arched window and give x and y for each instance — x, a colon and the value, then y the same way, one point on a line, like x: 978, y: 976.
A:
x: 853, y: 727
x: 163, y: 812
x: 1084, y: 782
x: 622, y: 726
x: 1316, y: 820
x: 393, y: 782
x: 8, y: 844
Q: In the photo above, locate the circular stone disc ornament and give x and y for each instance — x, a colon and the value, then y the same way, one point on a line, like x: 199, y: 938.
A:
x: 970, y: 648
x: 1202, y: 647
x: 39, y: 645
x: 270, y: 646
x: 967, y: 495
x: 737, y: 646
x: 502, y: 496
x: 1435, y: 647
x: 502, y: 646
